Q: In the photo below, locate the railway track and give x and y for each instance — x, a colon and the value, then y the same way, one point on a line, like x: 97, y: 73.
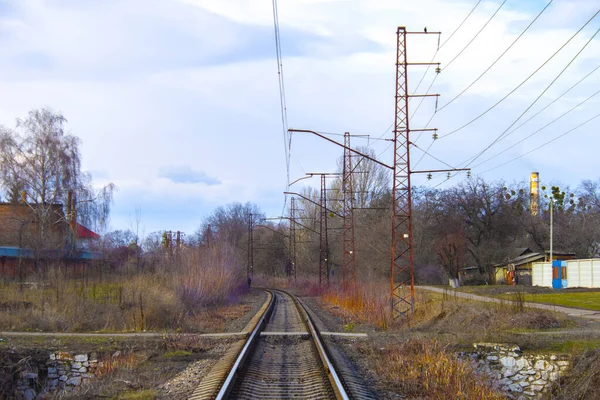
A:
x: 283, y: 357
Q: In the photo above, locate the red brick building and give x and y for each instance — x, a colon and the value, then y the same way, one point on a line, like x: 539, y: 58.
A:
x: 34, y: 236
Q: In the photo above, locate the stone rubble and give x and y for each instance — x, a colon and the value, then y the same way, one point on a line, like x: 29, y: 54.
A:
x: 521, y: 376
x: 63, y: 372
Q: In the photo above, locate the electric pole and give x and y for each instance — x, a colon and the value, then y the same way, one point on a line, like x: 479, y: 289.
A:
x: 323, y: 235
x: 402, y: 280
x: 292, y: 240
x: 348, y: 255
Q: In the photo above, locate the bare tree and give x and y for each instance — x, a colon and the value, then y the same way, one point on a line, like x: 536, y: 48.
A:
x: 43, y: 164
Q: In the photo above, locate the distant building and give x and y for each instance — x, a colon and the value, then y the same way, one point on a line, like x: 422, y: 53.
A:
x: 33, y: 236
x: 522, y: 262
x: 573, y: 274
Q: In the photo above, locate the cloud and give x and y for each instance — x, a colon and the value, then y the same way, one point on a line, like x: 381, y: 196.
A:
x: 193, y: 83
x: 185, y: 174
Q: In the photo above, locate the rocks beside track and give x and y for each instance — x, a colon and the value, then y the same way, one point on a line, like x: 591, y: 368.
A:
x: 521, y: 376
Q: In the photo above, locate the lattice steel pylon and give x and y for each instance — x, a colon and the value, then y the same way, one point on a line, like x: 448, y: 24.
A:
x: 292, y: 241
x: 349, y: 254
x: 323, y: 236
x: 402, y: 282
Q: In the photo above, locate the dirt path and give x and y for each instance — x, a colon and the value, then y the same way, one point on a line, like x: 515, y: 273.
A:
x: 573, y: 312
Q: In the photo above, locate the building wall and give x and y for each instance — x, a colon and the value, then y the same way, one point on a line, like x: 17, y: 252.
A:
x: 20, y: 226
x: 580, y: 273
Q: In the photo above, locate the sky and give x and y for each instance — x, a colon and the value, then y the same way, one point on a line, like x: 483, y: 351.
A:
x: 176, y: 102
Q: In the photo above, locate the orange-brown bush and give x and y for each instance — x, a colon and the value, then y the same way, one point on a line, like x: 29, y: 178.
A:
x: 367, y: 303
x: 425, y: 369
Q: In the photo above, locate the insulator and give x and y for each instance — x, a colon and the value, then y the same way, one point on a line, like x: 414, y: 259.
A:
x: 438, y: 70
x: 429, y: 176
x: 435, y: 136
x: 448, y: 175
x: 468, y: 174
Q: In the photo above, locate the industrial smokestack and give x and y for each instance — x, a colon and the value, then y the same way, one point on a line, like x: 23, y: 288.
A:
x: 534, y: 193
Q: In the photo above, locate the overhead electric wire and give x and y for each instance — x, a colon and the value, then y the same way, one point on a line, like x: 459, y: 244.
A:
x: 551, y: 103
x: 446, y: 41
x: 544, y: 144
x: 434, y: 157
x: 476, y: 35
x: 497, y: 59
x: 523, y: 82
x: 536, y: 99
x: 539, y: 130
x: 287, y: 137
x: 433, y: 58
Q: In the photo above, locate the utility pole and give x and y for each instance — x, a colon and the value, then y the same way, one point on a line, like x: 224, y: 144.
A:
x: 323, y: 224
x: 292, y: 240
x: 551, y: 227
x: 323, y: 236
x: 250, y: 264
x: 348, y: 255
x: 402, y: 280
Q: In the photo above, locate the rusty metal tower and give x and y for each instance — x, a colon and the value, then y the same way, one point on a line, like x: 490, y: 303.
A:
x: 349, y: 255
x: 402, y: 280
x: 292, y: 240
x: 323, y: 236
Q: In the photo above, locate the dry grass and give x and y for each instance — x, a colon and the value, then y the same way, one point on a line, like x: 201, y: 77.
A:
x: 583, y: 381
x: 181, y: 296
x: 437, y: 314
x: 360, y: 304
x: 425, y: 369
x: 116, y: 361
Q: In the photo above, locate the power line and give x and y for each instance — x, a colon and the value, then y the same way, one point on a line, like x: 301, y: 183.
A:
x: 523, y: 82
x: 460, y: 25
x: 551, y: 103
x: 442, y: 45
x: 536, y: 99
x: 430, y: 144
x: 434, y: 157
x: 542, y: 128
x: 478, y: 78
x: 497, y: 59
x: 544, y: 144
x: 476, y: 35
x: 283, y: 106
x: 287, y: 138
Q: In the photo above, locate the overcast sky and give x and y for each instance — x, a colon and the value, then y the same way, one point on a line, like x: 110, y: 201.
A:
x: 177, y: 101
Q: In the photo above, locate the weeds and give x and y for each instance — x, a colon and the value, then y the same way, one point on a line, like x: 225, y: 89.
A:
x: 425, y: 368
x: 363, y: 304
x: 170, y: 297
x: 118, y: 360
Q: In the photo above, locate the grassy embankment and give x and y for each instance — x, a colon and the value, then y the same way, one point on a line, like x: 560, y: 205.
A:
x: 577, y: 297
x: 443, y: 324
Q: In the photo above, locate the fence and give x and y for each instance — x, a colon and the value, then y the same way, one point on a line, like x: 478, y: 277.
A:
x: 580, y: 273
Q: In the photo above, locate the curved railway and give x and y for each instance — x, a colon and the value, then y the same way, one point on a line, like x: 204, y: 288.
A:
x: 283, y: 357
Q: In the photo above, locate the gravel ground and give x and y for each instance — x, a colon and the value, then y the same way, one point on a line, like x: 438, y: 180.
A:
x: 349, y: 348
x: 251, y: 303
x: 183, y: 384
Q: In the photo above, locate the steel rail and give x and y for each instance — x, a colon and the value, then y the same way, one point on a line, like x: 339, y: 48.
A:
x: 333, y: 376
x: 246, y: 350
